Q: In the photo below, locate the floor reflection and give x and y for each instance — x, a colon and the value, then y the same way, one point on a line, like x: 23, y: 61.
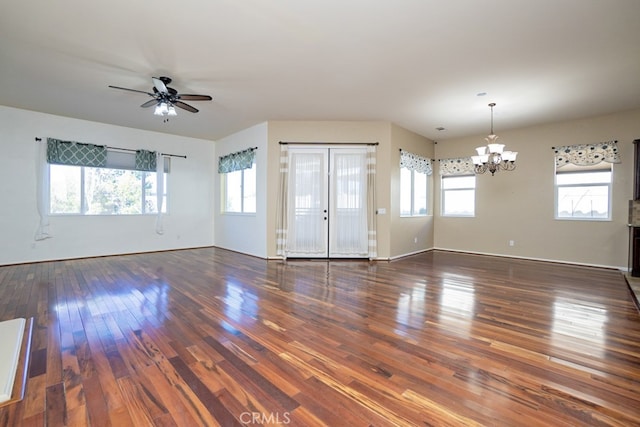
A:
x: 239, y: 302
x: 411, y: 307
x: 150, y: 303
x: 585, y: 322
x: 457, y: 303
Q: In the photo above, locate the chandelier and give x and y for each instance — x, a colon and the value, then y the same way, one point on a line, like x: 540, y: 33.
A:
x: 493, y: 157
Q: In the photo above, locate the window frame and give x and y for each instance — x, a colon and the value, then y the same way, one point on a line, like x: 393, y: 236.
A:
x: 224, y: 190
x: 413, y: 192
x: 83, y: 196
x: 574, y: 170
x: 444, y: 190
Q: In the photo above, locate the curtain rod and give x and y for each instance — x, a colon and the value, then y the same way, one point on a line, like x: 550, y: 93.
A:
x: 433, y: 160
x: 329, y: 143
x: 129, y: 149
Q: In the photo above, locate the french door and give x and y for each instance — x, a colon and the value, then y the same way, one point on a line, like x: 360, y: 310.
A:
x: 327, y: 202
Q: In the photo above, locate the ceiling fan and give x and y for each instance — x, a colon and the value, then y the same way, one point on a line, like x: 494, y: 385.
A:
x: 166, y: 98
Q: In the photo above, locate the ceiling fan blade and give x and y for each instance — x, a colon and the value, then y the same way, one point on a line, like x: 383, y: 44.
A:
x: 131, y: 90
x: 159, y: 85
x: 194, y: 97
x: 150, y: 103
x: 185, y: 106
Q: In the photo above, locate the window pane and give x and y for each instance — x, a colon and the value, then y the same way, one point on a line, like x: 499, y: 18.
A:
x: 458, y: 202
x: 233, y: 191
x: 583, y: 202
x: 458, y: 195
x: 583, y: 193
x: 112, y: 191
x: 151, y: 193
x: 583, y: 178
x: 65, y: 184
x: 405, y: 191
x: 467, y: 181
x: 419, y: 193
x: 249, y: 189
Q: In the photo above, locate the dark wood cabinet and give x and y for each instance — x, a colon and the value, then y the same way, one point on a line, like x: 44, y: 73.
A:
x: 635, y: 251
x: 634, y: 229
x: 636, y: 169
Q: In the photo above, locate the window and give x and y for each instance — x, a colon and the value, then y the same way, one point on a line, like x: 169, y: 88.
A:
x: 458, y: 195
x: 239, y: 190
x: 413, y: 193
x: 584, y: 192
x: 81, y: 190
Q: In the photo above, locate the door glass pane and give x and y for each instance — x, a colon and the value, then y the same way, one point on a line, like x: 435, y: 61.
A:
x: 348, y: 224
x: 307, y: 232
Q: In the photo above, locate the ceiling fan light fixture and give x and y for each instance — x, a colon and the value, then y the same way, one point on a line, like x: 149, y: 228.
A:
x: 162, y: 109
x: 166, y: 98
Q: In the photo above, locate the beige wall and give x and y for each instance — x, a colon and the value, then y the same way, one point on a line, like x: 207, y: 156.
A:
x: 408, y: 234
x: 519, y: 205
x: 336, y: 132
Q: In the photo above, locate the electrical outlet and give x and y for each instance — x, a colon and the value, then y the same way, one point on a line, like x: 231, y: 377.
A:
x: 512, y: 243
x: 415, y: 240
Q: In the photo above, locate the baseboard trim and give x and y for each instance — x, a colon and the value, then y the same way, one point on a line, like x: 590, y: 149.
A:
x: 555, y: 261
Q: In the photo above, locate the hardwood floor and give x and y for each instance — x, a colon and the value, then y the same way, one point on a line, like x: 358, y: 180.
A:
x: 211, y: 337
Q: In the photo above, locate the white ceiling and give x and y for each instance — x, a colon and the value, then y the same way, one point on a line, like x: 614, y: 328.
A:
x: 417, y: 63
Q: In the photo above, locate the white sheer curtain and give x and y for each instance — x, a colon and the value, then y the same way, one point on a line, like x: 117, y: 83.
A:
x: 159, y: 191
x: 330, y: 203
x: 349, y: 231
x: 42, y: 192
x: 307, y: 203
x: 282, y: 205
x: 371, y: 202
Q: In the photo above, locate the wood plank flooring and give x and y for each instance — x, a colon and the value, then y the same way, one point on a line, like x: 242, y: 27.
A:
x: 209, y: 337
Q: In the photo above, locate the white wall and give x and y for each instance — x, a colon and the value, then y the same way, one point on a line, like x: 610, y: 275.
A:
x: 190, y: 186
x: 244, y: 233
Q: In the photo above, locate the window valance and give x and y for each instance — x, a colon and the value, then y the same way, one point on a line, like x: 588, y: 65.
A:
x: 587, y: 154
x: 456, y: 166
x: 236, y: 161
x: 76, y: 153
x: 146, y: 160
x: 415, y: 163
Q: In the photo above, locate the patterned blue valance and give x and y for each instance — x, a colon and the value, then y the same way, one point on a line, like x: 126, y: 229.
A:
x: 237, y: 161
x: 146, y: 160
x: 587, y: 154
x: 76, y: 153
x: 415, y: 163
x: 457, y: 166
